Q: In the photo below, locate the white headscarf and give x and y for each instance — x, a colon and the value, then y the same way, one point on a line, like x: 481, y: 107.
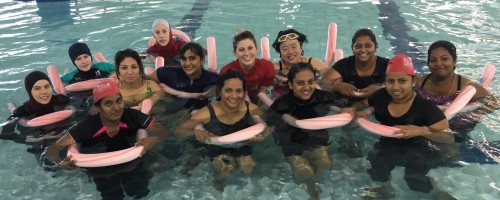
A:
x: 160, y: 21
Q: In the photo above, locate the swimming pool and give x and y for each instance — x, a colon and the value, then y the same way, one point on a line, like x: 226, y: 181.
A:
x: 34, y: 35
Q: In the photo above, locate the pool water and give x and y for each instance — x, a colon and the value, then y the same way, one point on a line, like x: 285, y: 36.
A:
x: 34, y: 35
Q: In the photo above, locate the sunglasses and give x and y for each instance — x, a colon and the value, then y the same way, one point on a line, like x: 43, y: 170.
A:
x: 291, y: 36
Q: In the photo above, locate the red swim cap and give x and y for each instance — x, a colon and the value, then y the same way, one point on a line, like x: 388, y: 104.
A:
x: 104, y: 88
x: 401, y: 63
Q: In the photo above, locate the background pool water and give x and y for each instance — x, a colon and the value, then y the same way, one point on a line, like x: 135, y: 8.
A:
x: 34, y: 35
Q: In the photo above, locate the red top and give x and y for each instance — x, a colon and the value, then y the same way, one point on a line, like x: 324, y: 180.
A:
x: 262, y: 74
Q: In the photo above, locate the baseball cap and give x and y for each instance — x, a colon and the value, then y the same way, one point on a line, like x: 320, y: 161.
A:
x: 104, y: 88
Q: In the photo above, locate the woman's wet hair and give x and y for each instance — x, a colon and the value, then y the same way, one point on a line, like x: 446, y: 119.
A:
x: 229, y: 74
x: 450, y: 47
x: 298, y: 67
x: 302, y: 39
x: 195, y: 49
x: 242, y: 35
x: 364, y: 32
x: 128, y: 53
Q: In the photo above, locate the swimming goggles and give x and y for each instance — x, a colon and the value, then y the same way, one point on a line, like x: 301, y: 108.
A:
x: 291, y: 36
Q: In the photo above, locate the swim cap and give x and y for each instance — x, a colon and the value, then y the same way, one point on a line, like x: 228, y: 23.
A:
x: 78, y: 49
x: 105, y: 88
x: 160, y: 21
x: 401, y: 63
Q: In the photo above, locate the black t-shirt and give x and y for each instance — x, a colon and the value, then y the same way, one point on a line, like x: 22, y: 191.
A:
x: 347, y: 70
x: 316, y: 106
x: 93, y: 137
x: 421, y: 113
x: 176, y: 78
x: 288, y: 136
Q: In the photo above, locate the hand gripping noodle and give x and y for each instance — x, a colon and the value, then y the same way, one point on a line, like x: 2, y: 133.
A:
x: 316, y: 123
x: 331, y: 44
x: 240, y: 135
x: 460, y: 102
x: 264, y: 46
x: 50, y: 118
x: 55, y: 79
x: 212, y: 54
x: 379, y: 129
x: 104, y: 159
x: 181, y: 94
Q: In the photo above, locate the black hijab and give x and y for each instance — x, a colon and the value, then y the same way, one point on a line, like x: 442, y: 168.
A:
x: 34, y: 107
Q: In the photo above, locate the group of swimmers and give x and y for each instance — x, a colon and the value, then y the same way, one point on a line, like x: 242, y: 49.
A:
x: 228, y: 101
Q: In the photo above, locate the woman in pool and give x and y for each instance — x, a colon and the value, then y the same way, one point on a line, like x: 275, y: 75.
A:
x: 363, y: 72
x: 166, y: 46
x: 357, y: 77
x: 305, y: 150
x: 443, y: 85
x: 80, y: 56
x: 229, y: 114
x: 41, y: 100
x: 132, y: 81
x: 113, y: 128
x: 258, y: 73
x: 420, y: 122
x: 190, y: 77
x: 288, y: 44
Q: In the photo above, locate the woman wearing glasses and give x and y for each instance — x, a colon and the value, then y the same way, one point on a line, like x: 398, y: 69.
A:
x: 288, y: 44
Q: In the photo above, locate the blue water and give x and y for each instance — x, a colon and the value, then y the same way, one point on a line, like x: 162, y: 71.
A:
x: 35, y: 35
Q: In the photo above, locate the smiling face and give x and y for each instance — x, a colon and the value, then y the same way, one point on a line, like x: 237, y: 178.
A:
x: 363, y: 49
x: 232, y: 93
x: 245, y: 53
x: 111, y: 107
x: 42, y: 91
x: 303, y: 85
x: 128, y: 70
x: 191, y: 63
x: 441, y: 62
x: 83, y: 62
x: 162, y: 34
x: 399, y: 85
x: 291, y: 51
